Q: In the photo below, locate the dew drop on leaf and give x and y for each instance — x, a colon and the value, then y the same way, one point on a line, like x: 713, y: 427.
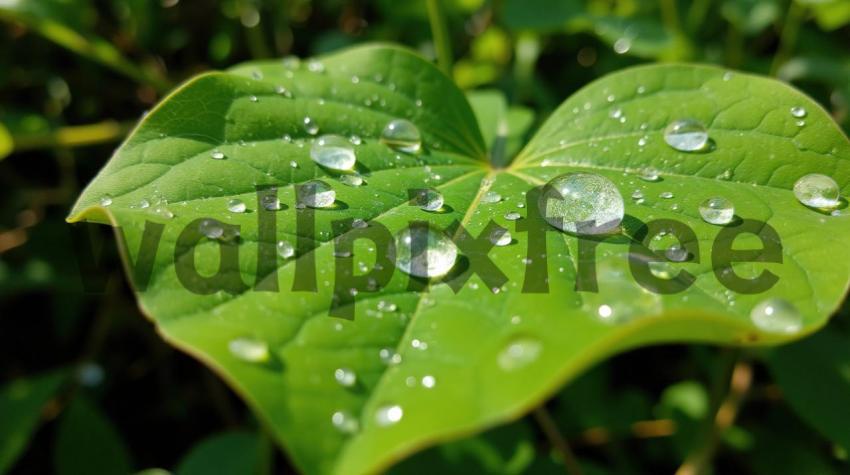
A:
x: 249, y: 349
x: 798, y: 112
x: 345, y: 377
x: 500, y: 237
x: 429, y: 199
x: 817, y: 191
x: 423, y: 252
x: 310, y: 126
x: 650, y: 174
x: 211, y: 228
x: 236, y: 205
x: 345, y: 422
x: 316, y: 194
x: 512, y: 216
x: 491, y: 197
x: 105, y: 200
x: 519, y: 352
x: 776, y: 315
x: 717, y: 210
x: 402, y: 135
x: 582, y: 203
x: 271, y: 203
x: 285, y: 249
x: 686, y: 135
x: 217, y: 155
x: 334, y: 152
x: 428, y: 381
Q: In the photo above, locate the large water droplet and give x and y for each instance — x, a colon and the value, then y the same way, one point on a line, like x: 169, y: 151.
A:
x: 345, y: 377
x: 776, y: 315
x: 717, y: 210
x: 388, y: 415
x: 285, y: 249
x: 500, y: 237
x: 249, y: 349
x: 316, y: 194
x: 817, y: 191
x: 429, y: 199
x: 402, y: 135
x: 582, y: 203
x: 423, y: 252
x: 236, y: 205
x: 686, y: 135
x: 519, y: 352
x: 334, y: 152
x: 345, y: 422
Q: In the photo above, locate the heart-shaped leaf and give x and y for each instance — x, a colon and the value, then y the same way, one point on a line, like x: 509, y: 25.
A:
x: 423, y: 363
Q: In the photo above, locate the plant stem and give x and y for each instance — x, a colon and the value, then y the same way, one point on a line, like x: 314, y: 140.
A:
x: 440, y: 33
x: 788, y: 37
x: 725, y: 410
x: 559, y: 443
x: 74, y: 136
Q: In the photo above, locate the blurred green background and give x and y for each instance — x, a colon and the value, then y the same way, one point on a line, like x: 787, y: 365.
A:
x: 86, y: 385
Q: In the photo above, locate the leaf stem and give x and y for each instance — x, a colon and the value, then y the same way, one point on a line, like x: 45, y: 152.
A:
x: 559, y: 443
x: 74, y: 136
x: 735, y: 387
x: 788, y: 37
x: 440, y: 33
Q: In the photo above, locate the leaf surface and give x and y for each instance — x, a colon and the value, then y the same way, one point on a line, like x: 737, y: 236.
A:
x: 489, y: 352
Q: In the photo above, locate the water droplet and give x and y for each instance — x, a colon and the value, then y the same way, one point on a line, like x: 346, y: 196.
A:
x: 666, y: 195
x: 615, y: 113
x: 334, y: 152
x: 249, y: 349
x: 345, y: 377
x: 798, y: 112
x: 428, y: 381
x: 293, y: 164
x: 144, y: 204
x: 582, y: 203
x: 512, y: 216
x: 637, y: 195
x: 622, y: 45
x: 163, y: 212
x: 345, y: 422
x: 211, y: 228
x: 717, y: 210
x: 402, y: 135
x: 315, y: 66
x: 316, y: 194
x: 776, y: 315
x: 285, y: 249
x: 389, y: 356
x: 385, y: 306
x: 270, y: 203
x: 605, y: 312
x: 676, y: 253
x: 217, y: 155
x: 355, y: 140
x: 491, y: 197
x: 423, y: 252
x: 254, y: 99
x: 358, y: 223
x: 310, y: 126
x: 105, y: 200
x: 388, y: 415
x: 650, y: 174
x: 500, y: 237
x: 429, y: 199
x: 686, y: 135
x: 817, y: 191
x: 518, y: 353
x: 236, y: 205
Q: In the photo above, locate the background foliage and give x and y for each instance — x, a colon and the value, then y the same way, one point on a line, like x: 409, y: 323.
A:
x: 88, y: 387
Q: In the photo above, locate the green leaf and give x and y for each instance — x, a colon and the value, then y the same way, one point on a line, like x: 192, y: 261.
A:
x: 227, y: 453
x: 70, y: 24
x: 87, y: 443
x: 503, y: 127
x: 6, y: 144
x: 814, y: 375
x: 493, y: 354
x: 21, y: 403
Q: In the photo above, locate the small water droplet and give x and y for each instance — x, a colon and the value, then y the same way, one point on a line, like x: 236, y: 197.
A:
x: 355, y: 140
x: 211, y: 228
x: 582, y: 203
x: 249, y: 349
x: 512, y: 216
x: 402, y: 135
x: 105, y: 200
x: 423, y: 252
x: 345, y: 422
x: 315, y: 66
x: 491, y: 197
x: 285, y: 249
x: 428, y: 381
x: 310, y: 126
x: 254, y: 98
x: 776, y: 315
x: 385, y: 306
x: 622, y: 45
x: 676, y: 253
x: 717, y: 210
x: 500, y: 237
x: 271, y: 203
x: 650, y: 174
x: 345, y: 377
x: 235, y: 205
x: 217, y: 155
x: 798, y: 112
x: 316, y: 194
x: 666, y: 195
x: 429, y: 199
x: 293, y: 164
x: 144, y: 204
x: 817, y: 191
x: 388, y: 415
x: 358, y: 223
x: 334, y: 152
x: 615, y: 113
x: 605, y: 312
x: 686, y: 135
x: 519, y: 352
x: 389, y: 356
